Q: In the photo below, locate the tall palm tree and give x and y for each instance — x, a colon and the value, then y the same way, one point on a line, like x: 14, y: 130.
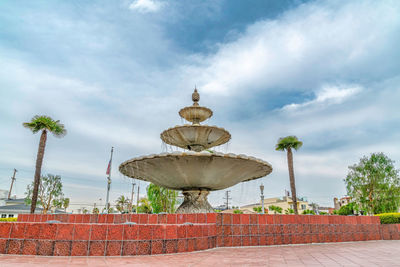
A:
x: 44, y: 124
x: 288, y: 143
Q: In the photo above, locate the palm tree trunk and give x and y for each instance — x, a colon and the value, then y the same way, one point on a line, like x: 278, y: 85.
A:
x: 291, y: 177
x: 39, y: 161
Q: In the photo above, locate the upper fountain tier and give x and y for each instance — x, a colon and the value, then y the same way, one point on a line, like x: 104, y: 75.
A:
x: 195, y: 137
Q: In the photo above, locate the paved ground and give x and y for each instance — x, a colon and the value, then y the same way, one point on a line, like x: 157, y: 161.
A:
x: 370, y: 253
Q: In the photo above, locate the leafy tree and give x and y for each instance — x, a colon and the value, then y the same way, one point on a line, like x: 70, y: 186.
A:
x: 61, y: 203
x: 161, y: 199
x: 50, y: 193
x: 85, y: 211
x: 122, y: 204
x: 144, y: 206
x: 374, y: 184
x: 44, y: 124
x: 65, y: 203
x: 275, y: 209
x: 288, y: 143
x: 348, y: 209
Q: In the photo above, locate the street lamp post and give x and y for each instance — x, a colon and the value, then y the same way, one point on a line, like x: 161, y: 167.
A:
x: 262, y: 198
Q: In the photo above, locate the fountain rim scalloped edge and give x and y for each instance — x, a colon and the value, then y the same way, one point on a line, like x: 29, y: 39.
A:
x: 197, y: 154
x: 197, y: 125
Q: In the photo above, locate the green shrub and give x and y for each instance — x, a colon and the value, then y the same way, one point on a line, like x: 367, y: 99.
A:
x: 289, y: 211
x: 237, y: 212
x: 259, y: 209
x: 389, y: 218
x: 309, y: 212
x: 8, y: 219
x: 275, y: 209
x: 323, y: 213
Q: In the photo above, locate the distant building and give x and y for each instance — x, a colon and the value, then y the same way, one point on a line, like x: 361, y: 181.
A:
x: 3, y: 194
x: 328, y: 210
x: 285, y: 203
x: 244, y: 211
x: 341, y: 202
x: 220, y: 207
x: 10, y: 208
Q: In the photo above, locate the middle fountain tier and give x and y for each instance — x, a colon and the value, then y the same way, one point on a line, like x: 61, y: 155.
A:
x: 199, y: 170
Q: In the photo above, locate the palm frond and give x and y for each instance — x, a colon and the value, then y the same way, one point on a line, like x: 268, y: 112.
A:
x: 288, y: 142
x: 39, y: 123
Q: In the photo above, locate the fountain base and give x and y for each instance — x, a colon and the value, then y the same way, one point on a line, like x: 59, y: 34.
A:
x: 195, y: 202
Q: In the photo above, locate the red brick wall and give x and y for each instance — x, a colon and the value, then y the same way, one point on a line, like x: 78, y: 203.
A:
x: 84, y: 239
x: 390, y: 231
x: 104, y: 234
x: 261, y: 230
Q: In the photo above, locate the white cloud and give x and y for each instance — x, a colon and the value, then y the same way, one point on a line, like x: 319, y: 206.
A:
x: 306, y: 47
x: 146, y: 6
x: 326, y: 96
x: 130, y: 98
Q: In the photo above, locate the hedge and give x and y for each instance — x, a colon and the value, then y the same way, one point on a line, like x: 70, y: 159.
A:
x: 8, y: 219
x: 389, y: 218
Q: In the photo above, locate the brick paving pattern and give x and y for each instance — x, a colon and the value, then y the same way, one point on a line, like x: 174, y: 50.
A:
x: 368, y: 253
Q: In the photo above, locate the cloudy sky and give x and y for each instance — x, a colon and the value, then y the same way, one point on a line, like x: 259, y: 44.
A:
x: 116, y: 74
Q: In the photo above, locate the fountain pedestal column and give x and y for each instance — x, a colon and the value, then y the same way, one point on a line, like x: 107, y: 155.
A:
x: 195, y: 202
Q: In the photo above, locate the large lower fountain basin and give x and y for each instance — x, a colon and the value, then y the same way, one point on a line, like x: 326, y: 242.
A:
x: 192, y: 170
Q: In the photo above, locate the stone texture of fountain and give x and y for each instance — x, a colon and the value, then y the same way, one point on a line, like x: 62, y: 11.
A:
x: 197, y: 171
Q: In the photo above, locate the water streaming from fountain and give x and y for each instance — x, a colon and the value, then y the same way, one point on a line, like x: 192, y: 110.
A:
x: 191, y: 168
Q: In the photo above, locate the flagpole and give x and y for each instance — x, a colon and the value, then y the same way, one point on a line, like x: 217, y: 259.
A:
x: 109, y: 182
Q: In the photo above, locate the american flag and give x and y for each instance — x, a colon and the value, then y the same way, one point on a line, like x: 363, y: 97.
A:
x: 108, y: 168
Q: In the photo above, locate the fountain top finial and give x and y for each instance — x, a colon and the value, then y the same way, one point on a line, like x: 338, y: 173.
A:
x: 195, y: 113
x: 195, y: 97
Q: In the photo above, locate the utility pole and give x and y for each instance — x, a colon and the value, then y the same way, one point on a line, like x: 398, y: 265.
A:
x: 12, y: 183
x: 109, y: 181
x: 133, y: 189
x: 137, y: 198
x: 227, y: 198
x: 262, y: 198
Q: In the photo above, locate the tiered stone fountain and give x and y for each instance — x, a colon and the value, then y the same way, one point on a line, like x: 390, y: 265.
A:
x: 199, y: 170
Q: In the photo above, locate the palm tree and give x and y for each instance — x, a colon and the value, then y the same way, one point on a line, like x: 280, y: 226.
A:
x: 144, y: 206
x: 287, y: 143
x: 44, y: 124
x: 122, y: 203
